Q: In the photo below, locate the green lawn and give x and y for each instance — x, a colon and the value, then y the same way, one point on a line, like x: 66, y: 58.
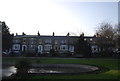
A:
x: 112, y: 64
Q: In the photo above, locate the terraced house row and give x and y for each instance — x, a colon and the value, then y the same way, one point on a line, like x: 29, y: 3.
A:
x: 43, y: 43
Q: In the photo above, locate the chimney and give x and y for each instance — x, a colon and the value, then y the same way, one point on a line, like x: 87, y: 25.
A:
x: 38, y: 33
x: 68, y: 34
x: 53, y: 33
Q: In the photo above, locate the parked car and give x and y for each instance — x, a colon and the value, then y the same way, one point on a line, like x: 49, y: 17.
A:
x: 5, y: 53
x: 118, y: 52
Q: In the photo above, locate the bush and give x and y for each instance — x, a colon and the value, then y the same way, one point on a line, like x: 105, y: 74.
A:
x: 53, y: 52
x: 12, y: 54
x: 42, y: 55
x: 70, y: 54
x: 103, y: 54
x: 22, y: 67
x: 29, y: 54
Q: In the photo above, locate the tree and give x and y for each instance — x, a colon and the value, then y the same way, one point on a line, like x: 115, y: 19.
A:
x: 22, y: 67
x: 53, y: 52
x: 6, y: 37
x: 105, y: 37
x: 105, y: 30
x: 117, y: 35
x: 118, y: 39
x: 82, y: 47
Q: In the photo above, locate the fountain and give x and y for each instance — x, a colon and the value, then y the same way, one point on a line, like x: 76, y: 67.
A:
x: 52, y: 69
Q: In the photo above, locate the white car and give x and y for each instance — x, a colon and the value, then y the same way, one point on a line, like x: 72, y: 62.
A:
x: 4, y: 53
x: 118, y: 52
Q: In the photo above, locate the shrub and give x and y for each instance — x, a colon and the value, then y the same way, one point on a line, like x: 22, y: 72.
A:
x: 22, y: 67
x: 53, y: 52
x: 12, y: 54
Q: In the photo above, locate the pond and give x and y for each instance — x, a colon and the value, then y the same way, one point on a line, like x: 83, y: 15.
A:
x: 51, y: 69
x: 8, y: 71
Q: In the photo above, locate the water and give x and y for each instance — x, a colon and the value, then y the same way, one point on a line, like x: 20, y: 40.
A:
x: 51, y: 69
x: 42, y: 70
x: 8, y: 71
x: 57, y: 70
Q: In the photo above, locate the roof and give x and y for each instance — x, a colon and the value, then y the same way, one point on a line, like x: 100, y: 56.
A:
x: 48, y: 36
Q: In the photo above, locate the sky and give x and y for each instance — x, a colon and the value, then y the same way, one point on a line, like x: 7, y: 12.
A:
x: 58, y: 16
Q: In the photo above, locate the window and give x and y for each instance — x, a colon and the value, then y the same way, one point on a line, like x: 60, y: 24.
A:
x: 16, y: 41
x: 32, y: 40
x: 48, y: 41
x: 56, y: 42
x: 63, y: 47
x: 32, y: 47
x: 40, y: 41
x: 24, y: 40
x: 16, y: 47
x: 85, y: 39
x: 71, y: 48
x: 63, y: 41
x: 91, y: 39
x: 94, y: 48
x: 48, y: 47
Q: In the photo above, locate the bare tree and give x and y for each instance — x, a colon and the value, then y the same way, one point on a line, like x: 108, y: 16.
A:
x: 117, y: 35
x: 105, y: 37
x: 106, y: 30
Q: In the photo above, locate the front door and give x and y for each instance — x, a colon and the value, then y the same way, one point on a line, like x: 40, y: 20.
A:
x: 40, y: 49
x: 24, y: 48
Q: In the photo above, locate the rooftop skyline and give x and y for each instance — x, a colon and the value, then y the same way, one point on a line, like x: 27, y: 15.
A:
x: 61, y: 17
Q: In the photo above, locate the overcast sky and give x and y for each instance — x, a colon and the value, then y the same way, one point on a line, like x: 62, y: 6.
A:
x: 59, y: 16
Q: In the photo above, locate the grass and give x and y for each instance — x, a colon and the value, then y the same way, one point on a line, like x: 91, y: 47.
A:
x: 112, y: 64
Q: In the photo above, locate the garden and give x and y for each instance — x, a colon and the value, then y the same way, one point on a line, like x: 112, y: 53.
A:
x: 112, y: 72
